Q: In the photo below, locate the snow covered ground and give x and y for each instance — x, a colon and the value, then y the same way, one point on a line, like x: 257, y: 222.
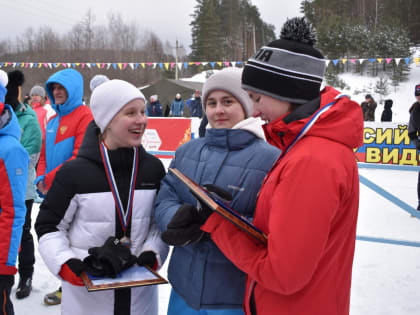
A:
x: 385, y: 277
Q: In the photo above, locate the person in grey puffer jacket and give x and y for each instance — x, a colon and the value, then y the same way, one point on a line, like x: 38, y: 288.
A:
x: 234, y: 156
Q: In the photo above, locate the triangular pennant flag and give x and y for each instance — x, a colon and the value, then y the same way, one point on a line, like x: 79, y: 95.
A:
x: 191, y: 63
x: 143, y: 65
x: 39, y: 65
x: 14, y: 64
x: 335, y: 61
x: 233, y: 63
x: 353, y: 60
x: 31, y: 65
x: 50, y: 65
x: 179, y: 65
x: 119, y: 65
x: 6, y: 64
x: 124, y: 65
x: 161, y: 65
x: 372, y: 59
x: 131, y: 65
x: 227, y: 64
x: 219, y: 63
x: 93, y: 64
x: 166, y: 66
x: 327, y: 62
x: 68, y: 65
x: 186, y: 65
x: 83, y: 65
x: 45, y: 65
x: 149, y: 64
x: 212, y: 64
x: 154, y: 65
x: 64, y: 65
x: 388, y: 60
x: 361, y: 60
x: 58, y: 64
x: 343, y: 60
x: 89, y: 65
x: 398, y: 60
x: 407, y: 60
x: 239, y: 62
x: 172, y: 65
x: 54, y: 64
x: 114, y: 65
x: 108, y: 65
x: 22, y: 64
x: 380, y: 60
x: 416, y: 60
x: 74, y: 65
x: 136, y: 65
x: 1, y: 64
x: 77, y: 64
x: 26, y: 65
x: 197, y: 63
x: 204, y: 63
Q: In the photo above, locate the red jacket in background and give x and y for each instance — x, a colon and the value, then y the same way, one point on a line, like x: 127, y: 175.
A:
x: 308, y: 207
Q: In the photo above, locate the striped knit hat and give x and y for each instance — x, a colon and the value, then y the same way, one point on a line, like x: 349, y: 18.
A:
x: 290, y: 68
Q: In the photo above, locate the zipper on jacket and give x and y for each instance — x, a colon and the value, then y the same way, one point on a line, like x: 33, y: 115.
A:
x: 251, y: 298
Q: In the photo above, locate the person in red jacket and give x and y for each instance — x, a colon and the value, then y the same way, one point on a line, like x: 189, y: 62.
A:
x: 308, y: 204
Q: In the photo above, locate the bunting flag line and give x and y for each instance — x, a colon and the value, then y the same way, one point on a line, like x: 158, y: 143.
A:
x: 170, y: 66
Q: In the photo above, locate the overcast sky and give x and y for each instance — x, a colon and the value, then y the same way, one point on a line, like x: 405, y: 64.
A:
x: 169, y: 19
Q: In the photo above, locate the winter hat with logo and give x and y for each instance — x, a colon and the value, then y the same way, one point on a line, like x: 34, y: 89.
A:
x: 3, y: 82
x: 16, y: 79
x: 417, y: 90
x: 109, y: 98
x: 289, y: 69
x: 37, y: 90
x: 228, y: 80
x: 96, y: 80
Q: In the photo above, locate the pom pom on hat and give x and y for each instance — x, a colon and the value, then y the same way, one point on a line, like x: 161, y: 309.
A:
x: 109, y: 98
x: 97, y: 80
x: 290, y: 68
x: 16, y: 79
x: 37, y: 90
x: 228, y: 80
x: 3, y: 78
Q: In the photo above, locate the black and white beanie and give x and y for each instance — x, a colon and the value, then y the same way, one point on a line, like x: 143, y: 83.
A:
x: 290, y: 68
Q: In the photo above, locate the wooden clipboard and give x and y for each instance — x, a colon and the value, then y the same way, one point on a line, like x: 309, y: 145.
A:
x: 218, y: 206
x: 135, y: 276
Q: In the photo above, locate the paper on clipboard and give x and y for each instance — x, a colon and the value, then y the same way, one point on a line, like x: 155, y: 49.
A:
x: 217, y: 205
x: 132, y: 277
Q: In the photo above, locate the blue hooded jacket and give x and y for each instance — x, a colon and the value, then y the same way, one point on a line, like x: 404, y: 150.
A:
x: 14, y: 162
x: 237, y: 161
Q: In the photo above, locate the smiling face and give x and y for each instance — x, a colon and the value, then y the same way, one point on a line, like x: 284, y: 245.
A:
x: 223, y: 110
x: 59, y: 93
x: 127, y: 127
x: 36, y: 98
x: 268, y: 108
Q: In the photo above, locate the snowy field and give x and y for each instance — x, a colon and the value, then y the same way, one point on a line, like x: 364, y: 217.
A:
x: 385, y: 277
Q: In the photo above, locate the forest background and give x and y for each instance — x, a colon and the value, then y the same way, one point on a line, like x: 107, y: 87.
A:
x: 228, y: 30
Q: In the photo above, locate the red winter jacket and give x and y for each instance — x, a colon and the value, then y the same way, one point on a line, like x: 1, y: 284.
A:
x: 308, y: 207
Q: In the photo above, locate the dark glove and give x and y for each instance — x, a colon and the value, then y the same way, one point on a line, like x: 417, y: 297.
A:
x: 184, y: 227
x: 70, y: 271
x: 148, y: 258
x: 109, y: 259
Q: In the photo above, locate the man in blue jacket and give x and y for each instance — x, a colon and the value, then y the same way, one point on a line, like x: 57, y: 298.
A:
x: 14, y: 161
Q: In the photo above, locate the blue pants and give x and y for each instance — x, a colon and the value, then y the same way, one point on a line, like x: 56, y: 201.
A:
x: 177, y: 306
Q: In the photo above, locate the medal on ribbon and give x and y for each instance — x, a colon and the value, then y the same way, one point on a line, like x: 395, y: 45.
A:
x: 124, y: 214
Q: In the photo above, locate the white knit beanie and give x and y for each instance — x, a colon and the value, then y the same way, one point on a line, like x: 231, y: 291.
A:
x: 109, y: 98
x: 4, y: 79
x: 228, y: 80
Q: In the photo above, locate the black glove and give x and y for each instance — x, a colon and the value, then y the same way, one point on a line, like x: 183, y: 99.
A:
x: 147, y: 258
x: 109, y: 259
x: 184, y: 227
x: 76, y: 265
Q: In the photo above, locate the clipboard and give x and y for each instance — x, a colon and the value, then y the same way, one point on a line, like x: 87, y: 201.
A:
x: 134, y: 276
x: 203, y: 196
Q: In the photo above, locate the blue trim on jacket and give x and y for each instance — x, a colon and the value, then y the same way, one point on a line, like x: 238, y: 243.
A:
x: 237, y: 161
